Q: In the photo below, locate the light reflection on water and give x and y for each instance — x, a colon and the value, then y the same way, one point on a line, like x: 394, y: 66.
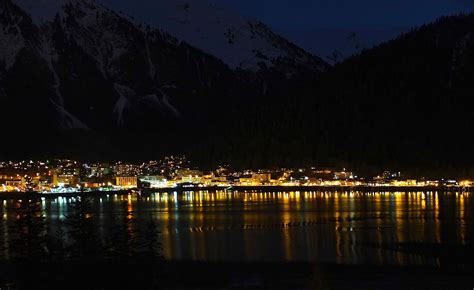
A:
x: 327, y: 227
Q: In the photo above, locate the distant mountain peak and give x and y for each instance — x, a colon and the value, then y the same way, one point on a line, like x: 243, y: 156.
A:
x: 240, y: 42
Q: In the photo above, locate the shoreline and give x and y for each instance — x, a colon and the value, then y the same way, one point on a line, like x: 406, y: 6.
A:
x: 180, y: 190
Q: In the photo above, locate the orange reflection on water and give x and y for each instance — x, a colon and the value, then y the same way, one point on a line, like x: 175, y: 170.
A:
x: 350, y: 225
x: 461, y: 217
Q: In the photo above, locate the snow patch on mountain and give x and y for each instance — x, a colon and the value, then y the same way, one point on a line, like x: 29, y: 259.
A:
x: 49, y: 55
x: 67, y: 120
x: 123, y: 102
x: 163, y: 103
x: 215, y: 30
x: 11, y: 42
x: 166, y: 102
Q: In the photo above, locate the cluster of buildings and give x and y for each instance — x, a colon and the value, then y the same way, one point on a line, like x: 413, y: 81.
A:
x: 63, y: 175
x: 58, y: 176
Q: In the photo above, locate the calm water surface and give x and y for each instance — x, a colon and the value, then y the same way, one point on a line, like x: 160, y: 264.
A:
x: 327, y: 227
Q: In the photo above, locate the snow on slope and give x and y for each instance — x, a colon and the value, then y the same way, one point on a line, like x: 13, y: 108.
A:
x: 11, y: 42
x: 108, y: 40
x: 239, y: 42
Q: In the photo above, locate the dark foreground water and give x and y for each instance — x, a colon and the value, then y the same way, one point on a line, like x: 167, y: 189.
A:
x: 352, y: 228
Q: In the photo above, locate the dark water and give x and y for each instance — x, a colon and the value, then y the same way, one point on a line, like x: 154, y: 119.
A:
x: 389, y: 228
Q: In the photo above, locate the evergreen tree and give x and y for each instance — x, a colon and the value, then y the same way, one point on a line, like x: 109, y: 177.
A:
x: 3, y: 240
x: 152, y: 245
x: 122, y: 240
x: 81, y: 230
x: 57, y: 245
x: 29, y: 242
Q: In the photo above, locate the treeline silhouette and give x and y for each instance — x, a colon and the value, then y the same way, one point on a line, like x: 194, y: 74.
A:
x: 404, y: 105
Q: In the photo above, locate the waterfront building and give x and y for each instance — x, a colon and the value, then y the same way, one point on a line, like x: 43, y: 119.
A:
x: 189, y: 175
x: 127, y: 181
x: 65, y: 179
x: 261, y: 177
x: 154, y: 181
x: 467, y: 183
x: 11, y: 184
x: 343, y: 175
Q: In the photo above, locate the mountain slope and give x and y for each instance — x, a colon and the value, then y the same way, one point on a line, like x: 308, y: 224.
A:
x: 406, y: 105
x: 239, y: 42
x: 92, y: 68
x: 335, y: 45
x: 408, y: 102
x: 75, y: 64
x: 99, y: 69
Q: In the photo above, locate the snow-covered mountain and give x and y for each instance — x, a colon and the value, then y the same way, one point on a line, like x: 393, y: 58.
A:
x: 78, y: 64
x: 340, y: 44
x: 86, y: 66
x: 238, y: 41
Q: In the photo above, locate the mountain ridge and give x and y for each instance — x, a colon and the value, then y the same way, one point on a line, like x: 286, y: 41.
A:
x: 83, y: 39
x: 402, y: 105
x: 241, y: 43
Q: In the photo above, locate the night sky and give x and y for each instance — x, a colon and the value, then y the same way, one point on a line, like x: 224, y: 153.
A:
x: 322, y: 26
x: 348, y: 14
x: 345, y: 14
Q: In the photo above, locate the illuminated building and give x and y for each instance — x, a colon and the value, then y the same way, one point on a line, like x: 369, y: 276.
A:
x: 188, y: 175
x: 100, y: 170
x: 261, y: 177
x: 467, y: 183
x: 127, y: 181
x: 343, y: 175
x: 155, y: 181
x: 64, y: 179
x: 13, y: 183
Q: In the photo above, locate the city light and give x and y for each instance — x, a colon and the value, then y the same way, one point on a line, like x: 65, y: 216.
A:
x: 72, y: 176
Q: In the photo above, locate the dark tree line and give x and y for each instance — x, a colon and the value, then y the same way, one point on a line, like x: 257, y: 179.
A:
x: 406, y: 105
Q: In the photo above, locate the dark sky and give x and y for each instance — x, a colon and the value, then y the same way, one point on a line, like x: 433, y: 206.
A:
x: 321, y: 26
x: 349, y: 14
x: 345, y: 14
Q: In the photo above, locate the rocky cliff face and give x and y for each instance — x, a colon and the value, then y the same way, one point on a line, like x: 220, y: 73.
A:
x: 77, y: 64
